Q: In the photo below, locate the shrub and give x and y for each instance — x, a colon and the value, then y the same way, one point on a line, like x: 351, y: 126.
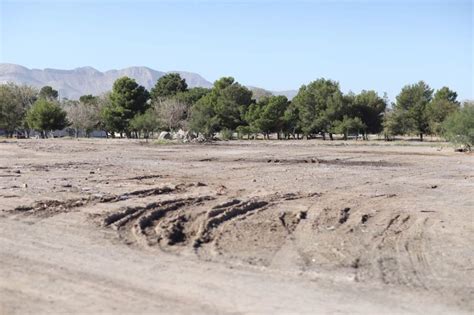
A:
x: 226, y: 134
x: 459, y: 126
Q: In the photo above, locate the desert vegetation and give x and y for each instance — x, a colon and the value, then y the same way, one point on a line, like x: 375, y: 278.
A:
x: 319, y: 109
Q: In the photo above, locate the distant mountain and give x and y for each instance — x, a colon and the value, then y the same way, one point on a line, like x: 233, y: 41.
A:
x: 87, y: 80
x: 289, y: 93
x: 258, y: 93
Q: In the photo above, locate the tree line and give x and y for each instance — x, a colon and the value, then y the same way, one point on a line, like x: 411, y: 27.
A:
x: 319, y: 109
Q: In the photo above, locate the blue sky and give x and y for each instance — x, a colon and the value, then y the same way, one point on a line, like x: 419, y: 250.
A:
x: 278, y: 45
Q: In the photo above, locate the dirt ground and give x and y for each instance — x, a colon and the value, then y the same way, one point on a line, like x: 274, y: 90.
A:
x: 263, y: 227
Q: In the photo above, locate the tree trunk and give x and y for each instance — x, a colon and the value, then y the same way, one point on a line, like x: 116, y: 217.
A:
x: 330, y: 136
x: 421, y: 137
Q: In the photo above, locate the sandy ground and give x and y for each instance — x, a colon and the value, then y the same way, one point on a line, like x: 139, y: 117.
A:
x: 276, y: 227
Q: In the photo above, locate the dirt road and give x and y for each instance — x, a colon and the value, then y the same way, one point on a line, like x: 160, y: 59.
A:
x: 111, y: 226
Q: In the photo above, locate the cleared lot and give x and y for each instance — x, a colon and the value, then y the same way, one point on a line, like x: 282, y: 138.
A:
x: 293, y: 226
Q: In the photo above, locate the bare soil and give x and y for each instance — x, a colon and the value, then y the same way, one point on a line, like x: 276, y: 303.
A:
x: 121, y: 226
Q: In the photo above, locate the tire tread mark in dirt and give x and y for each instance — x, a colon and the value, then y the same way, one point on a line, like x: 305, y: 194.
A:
x: 405, y: 262
x: 216, y: 218
x: 142, y: 231
x: 122, y: 217
x: 48, y: 208
x: 137, y: 193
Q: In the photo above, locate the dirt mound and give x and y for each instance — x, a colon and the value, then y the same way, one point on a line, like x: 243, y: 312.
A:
x: 197, y: 223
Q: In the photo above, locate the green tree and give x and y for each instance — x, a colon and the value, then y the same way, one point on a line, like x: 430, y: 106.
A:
x: 168, y: 85
x: 291, y: 119
x: 191, y: 96
x: 320, y: 104
x: 369, y: 107
x: 223, y: 108
x: 349, y: 125
x: 46, y: 116
x: 444, y: 103
x: 232, y: 102
x: 48, y: 93
x: 127, y: 99
x: 204, y: 118
x: 447, y: 94
x: 145, y: 123
x: 396, y: 123
x: 267, y: 116
x: 244, y: 131
x: 412, y: 103
x: 15, y: 100
x: 459, y: 126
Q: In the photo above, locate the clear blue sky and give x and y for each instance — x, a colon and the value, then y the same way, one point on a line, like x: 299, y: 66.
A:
x: 277, y: 45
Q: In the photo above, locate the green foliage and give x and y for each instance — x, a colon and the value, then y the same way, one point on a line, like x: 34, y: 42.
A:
x: 46, y: 116
x: 411, y: 104
x: 244, y: 131
x: 267, y: 116
x: 446, y: 94
x: 15, y: 100
x: 127, y: 94
x: 396, y: 123
x: 369, y: 108
x: 88, y: 99
x: 191, y: 96
x: 185, y: 98
x: 444, y: 103
x: 145, y: 123
x: 168, y: 85
x: 291, y: 121
x: 459, y: 126
x: 226, y: 134
x: 203, y: 116
x: 349, y: 125
x: 319, y: 107
x: 127, y: 99
x: 222, y: 108
x: 48, y: 93
x: 223, y: 82
x: 320, y: 104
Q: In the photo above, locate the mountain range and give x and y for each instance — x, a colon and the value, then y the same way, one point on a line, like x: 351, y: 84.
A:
x: 87, y: 80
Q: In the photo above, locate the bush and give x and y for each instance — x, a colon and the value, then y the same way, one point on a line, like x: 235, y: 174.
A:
x: 459, y: 126
x: 226, y: 134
